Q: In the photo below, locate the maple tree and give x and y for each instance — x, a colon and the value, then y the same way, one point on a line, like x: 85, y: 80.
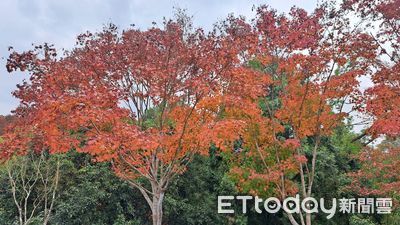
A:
x: 147, y: 101
x: 314, y: 62
x: 379, y: 172
x: 382, y: 100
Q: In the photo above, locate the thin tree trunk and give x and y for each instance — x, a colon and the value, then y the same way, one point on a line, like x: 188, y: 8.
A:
x: 308, y: 218
x: 155, y: 196
x: 53, y: 194
x: 157, y: 209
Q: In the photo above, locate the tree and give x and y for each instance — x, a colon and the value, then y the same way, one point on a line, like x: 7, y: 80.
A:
x: 383, y: 97
x: 314, y: 62
x: 91, y: 193
x: 147, y: 101
x: 378, y: 174
x: 33, y: 181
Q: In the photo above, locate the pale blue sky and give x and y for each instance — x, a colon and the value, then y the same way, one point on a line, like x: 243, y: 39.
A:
x: 23, y: 22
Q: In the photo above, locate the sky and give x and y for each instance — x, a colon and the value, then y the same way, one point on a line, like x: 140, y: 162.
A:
x: 27, y: 22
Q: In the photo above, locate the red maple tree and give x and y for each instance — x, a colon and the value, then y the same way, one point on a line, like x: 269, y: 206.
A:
x: 146, y: 101
x: 379, y: 171
x: 314, y: 62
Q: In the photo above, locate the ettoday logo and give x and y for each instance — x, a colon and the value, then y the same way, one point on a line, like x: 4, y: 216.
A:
x: 308, y: 205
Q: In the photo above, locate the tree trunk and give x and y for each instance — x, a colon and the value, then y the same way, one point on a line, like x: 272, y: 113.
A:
x: 308, y: 219
x: 157, y: 209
